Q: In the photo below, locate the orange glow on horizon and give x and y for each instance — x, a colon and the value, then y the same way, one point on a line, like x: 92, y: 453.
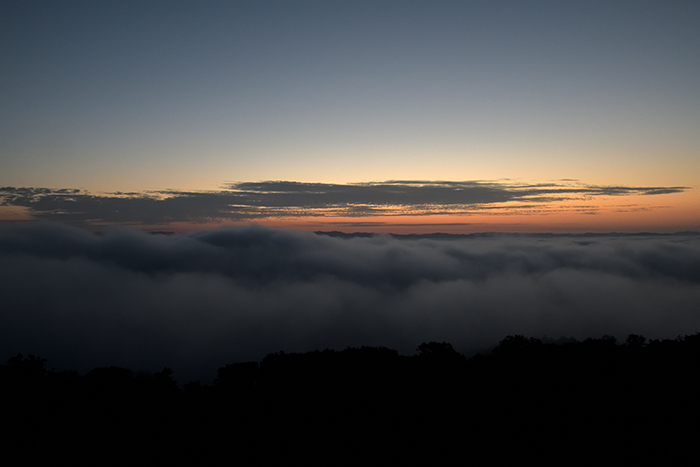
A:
x: 661, y: 213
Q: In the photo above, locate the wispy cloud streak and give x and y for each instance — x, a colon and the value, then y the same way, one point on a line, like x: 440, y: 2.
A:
x: 275, y: 199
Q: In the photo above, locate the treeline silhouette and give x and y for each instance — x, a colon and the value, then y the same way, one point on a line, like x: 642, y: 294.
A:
x: 527, y: 399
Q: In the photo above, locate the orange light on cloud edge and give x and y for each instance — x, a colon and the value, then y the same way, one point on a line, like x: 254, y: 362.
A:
x: 661, y: 220
x: 660, y: 213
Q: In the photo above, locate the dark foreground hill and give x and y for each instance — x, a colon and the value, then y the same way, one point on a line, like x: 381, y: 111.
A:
x: 526, y: 400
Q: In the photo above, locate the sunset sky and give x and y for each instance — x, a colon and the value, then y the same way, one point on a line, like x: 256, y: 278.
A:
x: 165, y: 164
x: 395, y: 116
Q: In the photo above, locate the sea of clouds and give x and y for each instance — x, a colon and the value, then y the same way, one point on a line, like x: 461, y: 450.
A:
x: 195, y: 301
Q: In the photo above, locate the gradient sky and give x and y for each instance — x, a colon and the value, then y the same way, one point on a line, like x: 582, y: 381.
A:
x: 359, y: 116
x: 189, y: 100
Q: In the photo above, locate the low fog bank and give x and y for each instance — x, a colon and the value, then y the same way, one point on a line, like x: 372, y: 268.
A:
x: 198, y: 300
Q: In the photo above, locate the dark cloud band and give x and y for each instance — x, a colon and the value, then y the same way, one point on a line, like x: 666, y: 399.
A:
x: 274, y: 199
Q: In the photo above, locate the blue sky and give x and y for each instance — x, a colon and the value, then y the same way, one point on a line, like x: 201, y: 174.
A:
x: 134, y: 96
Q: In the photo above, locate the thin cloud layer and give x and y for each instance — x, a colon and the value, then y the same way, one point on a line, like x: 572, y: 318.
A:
x: 274, y: 199
x: 197, y: 300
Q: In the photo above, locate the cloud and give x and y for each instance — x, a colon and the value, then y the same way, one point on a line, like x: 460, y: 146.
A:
x: 197, y: 300
x: 274, y: 199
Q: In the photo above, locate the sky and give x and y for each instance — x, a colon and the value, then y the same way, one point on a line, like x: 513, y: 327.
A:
x: 382, y: 116
x: 164, y: 166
